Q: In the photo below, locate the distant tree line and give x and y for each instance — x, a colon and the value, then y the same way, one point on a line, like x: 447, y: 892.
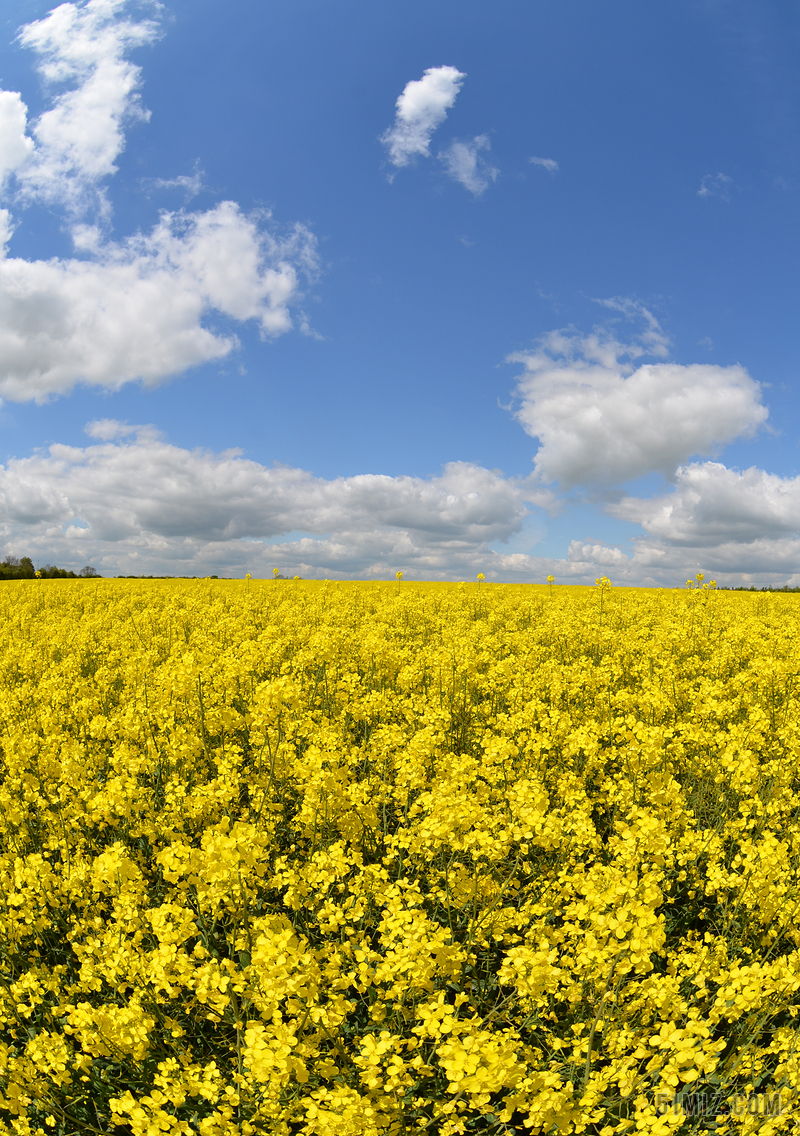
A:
x: 274, y: 576
x: 753, y: 588
x: 21, y: 568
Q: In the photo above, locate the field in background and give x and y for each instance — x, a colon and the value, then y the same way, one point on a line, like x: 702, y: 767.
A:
x: 288, y: 857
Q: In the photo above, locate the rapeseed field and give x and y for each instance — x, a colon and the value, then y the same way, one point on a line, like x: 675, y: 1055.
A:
x: 333, y: 859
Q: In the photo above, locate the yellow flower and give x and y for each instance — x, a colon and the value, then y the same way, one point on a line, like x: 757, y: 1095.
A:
x: 356, y: 858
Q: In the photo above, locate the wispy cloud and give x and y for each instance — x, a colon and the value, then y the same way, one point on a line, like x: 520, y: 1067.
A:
x: 421, y: 107
x: 652, y: 340
x: 465, y: 164
x: 190, y: 184
x: 716, y: 185
x: 548, y: 164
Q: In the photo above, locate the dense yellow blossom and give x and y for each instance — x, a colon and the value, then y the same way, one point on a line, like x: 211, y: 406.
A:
x: 319, y: 859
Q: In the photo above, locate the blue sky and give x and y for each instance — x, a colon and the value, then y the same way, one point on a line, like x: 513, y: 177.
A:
x: 441, y: 288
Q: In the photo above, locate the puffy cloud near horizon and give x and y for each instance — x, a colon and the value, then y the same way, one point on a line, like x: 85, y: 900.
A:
x: 136, y: 502
x: 135, y: 308
x: 603, y: 416
x: 711, y: 505
x: 422, y: 106
x: 464, y: 164
x: 602, y: 420
x: 651, y: 563
x: 740, y: 526
x: 131, y: 503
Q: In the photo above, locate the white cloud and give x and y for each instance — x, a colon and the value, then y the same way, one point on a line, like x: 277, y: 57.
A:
x: 134, y: 502
x: 656, y: 564
x: 109, y: 429
x: 464, y: 164
x: 715, y: 185
x: 16, y: 147
x: 549, y: 164
x: 773, y: 561
x: 712, y: 505
x: 652, y: 340
x: 191, y: 184
x: 79, y: 139
x: 135, y: 310
x: 421, y: 107
x: 598, y: 555
x: 739, y: 527
x: 602, y: 421
x: 604, y: 417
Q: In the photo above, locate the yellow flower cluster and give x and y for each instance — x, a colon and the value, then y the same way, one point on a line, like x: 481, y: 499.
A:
x: 320, y: 859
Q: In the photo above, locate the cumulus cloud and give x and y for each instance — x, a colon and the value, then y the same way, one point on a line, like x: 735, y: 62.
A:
x: 738, y: 526
x: 715, y: 185
x: 549, y: 164
x: 78, y: 139
x: 649, y: 563
x: 602, y: 420
x: 604, y: 416
x: 107, y: 429
x: 596, y: 555
x: 421, y: 107
x: 464, y: 164
x: 130, y: 502
x: 16, y: 148
x: 712, y: 505
x: 135, y: 310
x: 134, y: 502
